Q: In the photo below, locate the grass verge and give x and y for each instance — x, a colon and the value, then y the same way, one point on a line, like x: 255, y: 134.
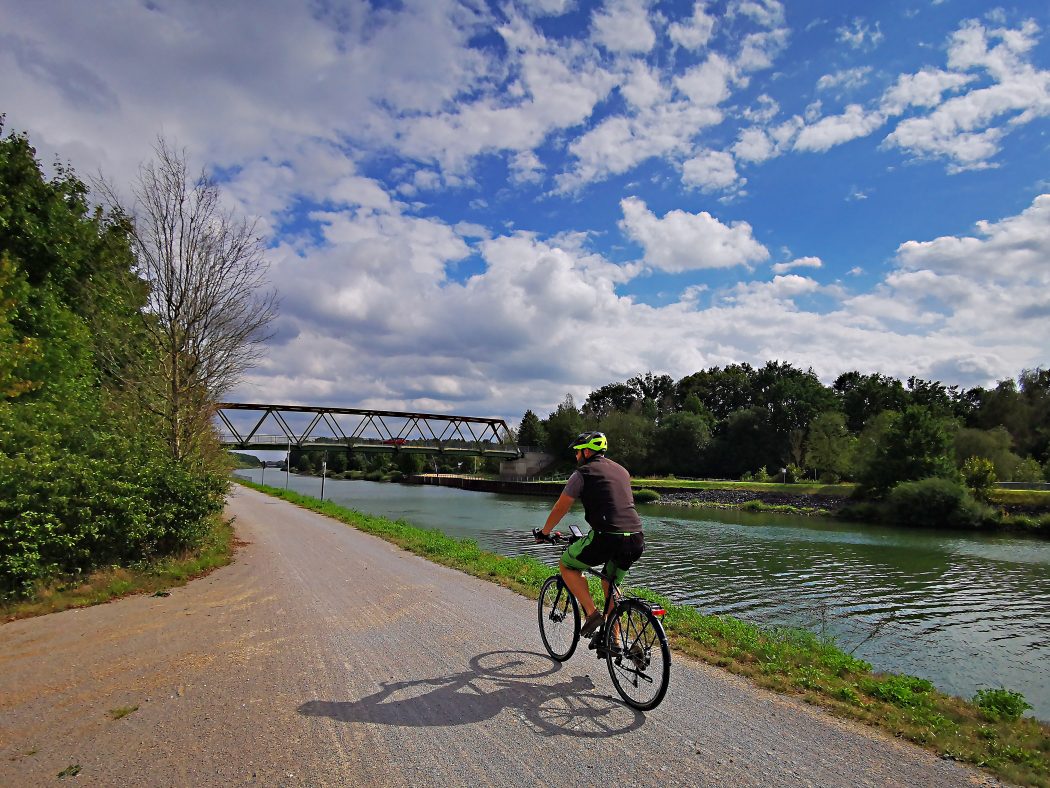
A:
x: 113, y: 582
x: 790, y: 661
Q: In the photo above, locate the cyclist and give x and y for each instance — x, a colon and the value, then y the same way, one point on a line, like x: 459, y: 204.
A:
x: 615, y: 538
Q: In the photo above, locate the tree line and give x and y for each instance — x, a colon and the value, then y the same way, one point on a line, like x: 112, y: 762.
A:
x: 119, y: 329
x: 781, y: 422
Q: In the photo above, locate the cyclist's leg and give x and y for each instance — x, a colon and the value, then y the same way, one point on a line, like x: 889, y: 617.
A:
x: 577, y: 584
x: 574, y: 562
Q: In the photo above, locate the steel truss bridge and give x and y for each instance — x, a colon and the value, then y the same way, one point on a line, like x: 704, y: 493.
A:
x: 357, y: 430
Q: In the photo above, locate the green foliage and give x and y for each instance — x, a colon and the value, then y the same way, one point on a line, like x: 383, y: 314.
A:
x: 562, y: 426
x: 829, y: 446
x: 1028, y: 471
x: 531, y: 431
x: 630, y: 440
x: 681, y: 441
x: 1001, y: 704
x: 645, y: 495
x: 935, y: 503
x: 904, y: 691
x: 84, y: 480
x: 979, y: 475
x: 908, y: 446
x: 993, y: 445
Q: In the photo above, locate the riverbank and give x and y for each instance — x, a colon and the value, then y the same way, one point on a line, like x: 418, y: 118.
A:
x: 791, y: 661
x: 1026, y: 511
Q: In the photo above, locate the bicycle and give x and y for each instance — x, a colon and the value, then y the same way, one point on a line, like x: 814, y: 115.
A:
x: 631, y: 638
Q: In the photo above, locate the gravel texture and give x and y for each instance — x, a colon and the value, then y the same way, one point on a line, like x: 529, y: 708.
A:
x: 324, y: 656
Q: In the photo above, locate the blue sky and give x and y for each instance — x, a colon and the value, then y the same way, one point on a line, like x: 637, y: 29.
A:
x: 479, y: 207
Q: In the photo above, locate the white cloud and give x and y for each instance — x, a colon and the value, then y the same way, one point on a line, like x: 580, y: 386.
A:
x: 923, y: 89
x: 968, y: 129
x: 683, y: 241
x: 526, y: 167
x: 707, y: 84
x: 623, y: 26
x: 833, y: 130
x: 768, y: 13
x: 860, y: 35
x: 643, y: 87
x: 695, y: 32
x: 801, y: 262
x: 849, y: 78
x: 710, y: 170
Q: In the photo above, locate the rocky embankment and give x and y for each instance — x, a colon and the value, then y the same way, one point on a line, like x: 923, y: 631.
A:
x: 682, y: 497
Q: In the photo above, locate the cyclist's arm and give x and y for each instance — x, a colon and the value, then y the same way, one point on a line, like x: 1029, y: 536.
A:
x: 560, y: 509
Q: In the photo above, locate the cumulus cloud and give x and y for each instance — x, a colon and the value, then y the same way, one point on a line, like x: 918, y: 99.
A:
x: 623, y: 26
x: 963, y: 129
x: 849, y: 78
x: 833, y: 130
x: 683, y: 241
x: 710, y: 170
x: 801, y: 262
x: 695, y: 31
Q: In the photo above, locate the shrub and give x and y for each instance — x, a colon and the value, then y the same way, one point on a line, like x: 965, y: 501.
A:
x: 904, y: 691
x: 1028, y: 471
x: 1001, y: 704
x: 935, y: 503
x: 793, y: 474
x: 979, y: 475
x: 645, y: 495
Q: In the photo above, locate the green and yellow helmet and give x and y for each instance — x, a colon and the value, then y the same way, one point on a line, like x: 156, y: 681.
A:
x: 595, y: 441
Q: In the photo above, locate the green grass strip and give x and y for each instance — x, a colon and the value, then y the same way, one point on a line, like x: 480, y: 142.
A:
x: 791, y: 661
x: 105, y: 585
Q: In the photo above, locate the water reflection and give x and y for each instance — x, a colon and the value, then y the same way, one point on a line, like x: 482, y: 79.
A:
x: 965, y: 612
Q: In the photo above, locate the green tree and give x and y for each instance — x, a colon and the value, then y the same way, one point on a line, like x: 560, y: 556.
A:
x: 829, y: 447
x: 680, y: 444
x: 630, y: 438
x: 915, y: 444
x: 610, y: 397
x: 993, y: 445
x: 863, y: 397
x: 562, y: 426
x: 979, y: 475
x: 530, y: 431
x: 84, y: 480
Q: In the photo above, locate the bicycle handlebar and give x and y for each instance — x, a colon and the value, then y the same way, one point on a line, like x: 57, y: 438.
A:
x: 554, y: 537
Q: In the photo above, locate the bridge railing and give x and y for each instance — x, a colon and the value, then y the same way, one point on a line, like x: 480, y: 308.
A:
x: 363, y: 430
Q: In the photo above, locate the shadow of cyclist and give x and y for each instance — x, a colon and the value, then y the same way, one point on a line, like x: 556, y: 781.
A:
x: 494, y: 682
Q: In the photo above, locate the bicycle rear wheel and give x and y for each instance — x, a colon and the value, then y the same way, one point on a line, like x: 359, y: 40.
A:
x: 638, y: 656
x: 559, y: 619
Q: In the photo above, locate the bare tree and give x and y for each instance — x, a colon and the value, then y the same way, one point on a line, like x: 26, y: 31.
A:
x: 208, y: 306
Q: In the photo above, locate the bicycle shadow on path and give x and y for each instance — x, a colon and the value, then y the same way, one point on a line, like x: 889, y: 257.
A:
x: 496, y: 681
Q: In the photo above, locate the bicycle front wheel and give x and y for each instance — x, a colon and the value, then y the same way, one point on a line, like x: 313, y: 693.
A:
x: 638, y: 656
x: 559, y: 619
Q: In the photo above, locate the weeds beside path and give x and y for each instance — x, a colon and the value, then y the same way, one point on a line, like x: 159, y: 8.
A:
x: 115, y: 582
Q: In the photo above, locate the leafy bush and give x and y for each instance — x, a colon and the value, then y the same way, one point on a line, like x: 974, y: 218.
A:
x: 1001, y: 704
x: 645, y: 495
x: 979, y: 475
x: 793, y: 474
x: 936, y: 503
x: 1028, y: 471
x: 904, y: 691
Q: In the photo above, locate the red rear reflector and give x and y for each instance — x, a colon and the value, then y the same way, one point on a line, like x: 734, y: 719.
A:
x: 658, y: 611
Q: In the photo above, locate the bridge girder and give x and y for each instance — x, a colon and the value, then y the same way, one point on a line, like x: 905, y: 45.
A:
x: 375, y: 431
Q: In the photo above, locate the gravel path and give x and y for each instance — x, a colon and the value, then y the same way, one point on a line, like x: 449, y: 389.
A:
x: 324, y: 656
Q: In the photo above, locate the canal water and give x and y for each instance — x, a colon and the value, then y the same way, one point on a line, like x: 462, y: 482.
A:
x: 964, y: 611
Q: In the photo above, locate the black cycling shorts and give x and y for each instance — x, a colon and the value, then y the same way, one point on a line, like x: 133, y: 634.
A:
x: 617, y: 551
